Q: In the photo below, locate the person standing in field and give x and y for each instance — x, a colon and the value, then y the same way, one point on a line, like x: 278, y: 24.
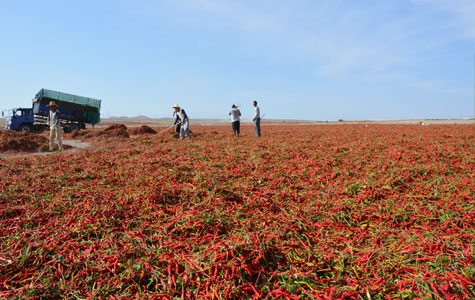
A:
x: 235, y: 113
x: 54, y: 127
x: 182, y: 119
x: 257, y: 119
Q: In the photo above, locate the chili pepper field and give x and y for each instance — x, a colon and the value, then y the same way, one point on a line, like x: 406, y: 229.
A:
x: 305, y: 212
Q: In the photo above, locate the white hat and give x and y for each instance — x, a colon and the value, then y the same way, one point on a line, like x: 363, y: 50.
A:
x: 176, y: 106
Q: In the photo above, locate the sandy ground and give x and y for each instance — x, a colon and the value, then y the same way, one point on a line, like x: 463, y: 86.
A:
x: 77, y: 144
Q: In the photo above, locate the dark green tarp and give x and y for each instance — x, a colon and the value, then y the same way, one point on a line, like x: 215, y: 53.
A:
x: 89, y: 108
x: 91, y: 117
x: 44, y: 93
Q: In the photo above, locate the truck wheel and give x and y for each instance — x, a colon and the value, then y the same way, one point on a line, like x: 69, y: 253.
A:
x: 38, y: 127
x: 73, y: 127
x: 25, y: 128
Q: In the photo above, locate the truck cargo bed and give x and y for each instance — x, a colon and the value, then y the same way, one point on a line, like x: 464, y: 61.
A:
x: 71, y: 107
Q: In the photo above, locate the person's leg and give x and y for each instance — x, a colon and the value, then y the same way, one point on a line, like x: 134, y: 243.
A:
x: 257, y: 127
x: 187, y: 129
x: 58, y: 136
x: 52, y: 134
x: 182, y: 131
x: 233, y: 124
x: 258, y: 123
x: 238, y: 128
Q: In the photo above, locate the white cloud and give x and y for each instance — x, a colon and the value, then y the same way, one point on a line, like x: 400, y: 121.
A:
x: 366, y: 38
x: 438, y: 86
x: 336, y: 37
x: 220, y: 14
x: 462, y: 13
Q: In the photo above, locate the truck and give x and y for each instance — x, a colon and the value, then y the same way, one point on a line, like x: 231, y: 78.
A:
x: 75, y: 112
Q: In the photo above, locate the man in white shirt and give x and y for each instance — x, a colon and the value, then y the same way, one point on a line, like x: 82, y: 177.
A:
x: 54, y: 127
x: 257, y: 119
x: 235, y: 120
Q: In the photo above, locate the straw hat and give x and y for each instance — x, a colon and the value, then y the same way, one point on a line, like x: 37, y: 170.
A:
x: 52, y: 103
x: 176, y: 106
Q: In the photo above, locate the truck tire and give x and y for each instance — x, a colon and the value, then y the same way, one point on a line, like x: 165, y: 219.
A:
x: 26, y: 128
x: 73, y: 127
x: 38, y: 127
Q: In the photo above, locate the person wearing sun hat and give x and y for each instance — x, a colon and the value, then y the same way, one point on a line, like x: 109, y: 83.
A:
x: 182, y: 119
x: 54, y: 127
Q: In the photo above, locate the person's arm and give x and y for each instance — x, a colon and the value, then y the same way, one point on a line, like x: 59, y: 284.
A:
x: 57, y: 118
x: 239, y: 112
x: 176, y: 120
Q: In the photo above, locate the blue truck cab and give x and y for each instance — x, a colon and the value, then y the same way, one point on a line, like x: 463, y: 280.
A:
x: 21, y: 119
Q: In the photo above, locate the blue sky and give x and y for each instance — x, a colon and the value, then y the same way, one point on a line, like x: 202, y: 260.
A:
x: 302, y: 59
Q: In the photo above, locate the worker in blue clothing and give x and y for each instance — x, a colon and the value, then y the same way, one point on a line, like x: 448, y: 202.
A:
x: 177, y: 125
x: 182, y: 119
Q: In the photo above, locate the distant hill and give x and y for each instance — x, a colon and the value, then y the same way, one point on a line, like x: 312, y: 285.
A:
x: 142, y: 117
